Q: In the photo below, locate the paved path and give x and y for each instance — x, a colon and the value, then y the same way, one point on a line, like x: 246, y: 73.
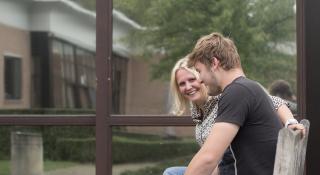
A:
x: 89, y: 169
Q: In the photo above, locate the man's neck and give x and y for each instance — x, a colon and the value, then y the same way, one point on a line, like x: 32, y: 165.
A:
x: 229, y: 76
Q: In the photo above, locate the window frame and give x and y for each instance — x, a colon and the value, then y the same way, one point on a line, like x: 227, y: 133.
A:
x: 104, y: 120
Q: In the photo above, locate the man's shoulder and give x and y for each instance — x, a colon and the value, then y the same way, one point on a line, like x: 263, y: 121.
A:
x: 245, y: 82
x: 240, y: 85
x: 247, y: 85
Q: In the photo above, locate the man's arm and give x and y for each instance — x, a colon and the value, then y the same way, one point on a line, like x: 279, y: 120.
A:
x: 208, y: 157
x: 215, y: 171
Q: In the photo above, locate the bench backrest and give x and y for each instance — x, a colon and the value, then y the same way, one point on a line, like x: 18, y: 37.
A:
x: 291, y: 151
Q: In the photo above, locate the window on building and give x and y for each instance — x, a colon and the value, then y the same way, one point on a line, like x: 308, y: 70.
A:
x: 69, y: 77
x: 119, y: 80
x: 86, y: 81
x: 12, y: 76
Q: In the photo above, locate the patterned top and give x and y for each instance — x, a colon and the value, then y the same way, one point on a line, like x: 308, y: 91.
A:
x: 204, y: 121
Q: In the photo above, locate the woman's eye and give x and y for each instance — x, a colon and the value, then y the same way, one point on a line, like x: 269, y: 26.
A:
x: 181, y: 84
x: 192, y: 79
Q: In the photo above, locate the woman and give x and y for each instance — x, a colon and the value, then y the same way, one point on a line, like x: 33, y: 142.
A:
x: 188, y: 89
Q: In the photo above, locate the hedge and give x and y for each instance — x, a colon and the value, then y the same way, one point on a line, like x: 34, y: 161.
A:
x: 77, y: 150
x: 48, y: 133
x: 130, y: 150
x: 77, y: 144
x: 72, y: 143
x: 124, y: 149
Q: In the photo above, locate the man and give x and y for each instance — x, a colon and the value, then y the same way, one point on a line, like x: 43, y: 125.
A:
x: 246, y: 120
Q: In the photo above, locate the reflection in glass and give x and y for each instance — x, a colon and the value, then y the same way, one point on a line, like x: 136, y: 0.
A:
x: 49, y: 49
x: 47, y: 150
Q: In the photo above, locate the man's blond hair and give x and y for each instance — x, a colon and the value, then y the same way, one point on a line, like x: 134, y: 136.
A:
x: 215, y: 45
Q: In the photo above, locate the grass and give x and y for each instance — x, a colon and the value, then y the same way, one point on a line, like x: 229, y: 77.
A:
x: 161, y: 166
x: 155, y: 170
x: 48, y: 166
x: 4, y: 167
x: 53, y: 165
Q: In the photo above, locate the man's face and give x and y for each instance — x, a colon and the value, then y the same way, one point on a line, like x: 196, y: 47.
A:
x: 209, y: 79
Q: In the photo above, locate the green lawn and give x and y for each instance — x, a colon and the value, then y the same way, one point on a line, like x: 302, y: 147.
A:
x: 161, y: 166
x: 4, y: 167
x: 155, y: 170
x: 52, y: 165
x: 48, y: 165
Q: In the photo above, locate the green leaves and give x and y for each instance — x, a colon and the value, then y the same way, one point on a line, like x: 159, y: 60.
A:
x: 256, y: 26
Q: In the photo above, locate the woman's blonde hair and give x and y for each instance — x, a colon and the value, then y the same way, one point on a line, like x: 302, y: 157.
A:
x: 180, y: 103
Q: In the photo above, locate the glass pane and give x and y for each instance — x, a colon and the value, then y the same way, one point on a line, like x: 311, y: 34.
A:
x: 150, y: 36
x: 47, y: 150
x: 49, y: 50
x: 135, y: 152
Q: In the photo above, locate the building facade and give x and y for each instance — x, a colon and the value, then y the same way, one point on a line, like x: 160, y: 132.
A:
x: 48, y: 61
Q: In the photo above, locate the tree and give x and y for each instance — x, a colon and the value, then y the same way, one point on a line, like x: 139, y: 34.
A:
x: 172, y: 27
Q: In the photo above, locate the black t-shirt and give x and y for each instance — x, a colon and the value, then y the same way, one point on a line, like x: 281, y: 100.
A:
x: 245, y: 103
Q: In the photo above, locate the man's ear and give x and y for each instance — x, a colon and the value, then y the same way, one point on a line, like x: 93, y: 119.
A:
x: 214, y: 63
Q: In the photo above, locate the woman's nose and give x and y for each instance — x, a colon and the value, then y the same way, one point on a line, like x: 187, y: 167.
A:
x: 188, y: 86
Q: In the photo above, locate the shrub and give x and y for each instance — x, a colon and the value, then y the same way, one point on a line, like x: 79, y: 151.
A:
x: 77, y: 150
x: 50, y: 134
x: 73, y: 143
x: 5, y: 143
x: 124, y: 149
x: 133, y: 150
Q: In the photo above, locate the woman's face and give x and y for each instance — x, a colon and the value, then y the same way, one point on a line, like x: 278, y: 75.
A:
x: 189, y: 86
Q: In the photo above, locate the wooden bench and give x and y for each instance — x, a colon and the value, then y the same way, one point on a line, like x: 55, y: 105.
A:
x: 291, y: 151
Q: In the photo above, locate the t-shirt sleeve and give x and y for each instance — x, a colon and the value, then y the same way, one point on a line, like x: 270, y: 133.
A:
x: 234, y: 105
